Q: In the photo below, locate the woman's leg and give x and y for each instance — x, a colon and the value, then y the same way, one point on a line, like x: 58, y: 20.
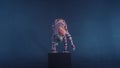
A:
x: 65, y: 43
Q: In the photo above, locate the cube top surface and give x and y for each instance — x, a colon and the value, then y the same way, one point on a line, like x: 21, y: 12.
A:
x: 59, y: 53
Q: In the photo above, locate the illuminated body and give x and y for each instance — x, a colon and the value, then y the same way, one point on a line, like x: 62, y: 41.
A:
x: 60, y: 34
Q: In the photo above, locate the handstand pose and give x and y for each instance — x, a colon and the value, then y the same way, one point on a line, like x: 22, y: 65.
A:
x: 60, y: 33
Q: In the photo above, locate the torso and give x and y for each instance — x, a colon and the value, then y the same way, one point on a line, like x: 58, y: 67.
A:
x: 60, y: 28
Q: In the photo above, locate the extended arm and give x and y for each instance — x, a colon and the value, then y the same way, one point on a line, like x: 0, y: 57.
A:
x: 53, y: 40
x: 71, y: 41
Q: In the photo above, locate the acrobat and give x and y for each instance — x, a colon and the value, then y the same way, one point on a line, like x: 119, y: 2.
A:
x: 61, y: 34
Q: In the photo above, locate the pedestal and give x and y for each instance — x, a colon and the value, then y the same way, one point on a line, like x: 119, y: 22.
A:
x: 59, y: 60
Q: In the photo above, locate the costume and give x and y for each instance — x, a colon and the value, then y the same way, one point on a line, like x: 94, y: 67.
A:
x: 61, y: 34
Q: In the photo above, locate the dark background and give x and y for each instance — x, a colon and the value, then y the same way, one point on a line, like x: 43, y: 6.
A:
x: 25, y: 32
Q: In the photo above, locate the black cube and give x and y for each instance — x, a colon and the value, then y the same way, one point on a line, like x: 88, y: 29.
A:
x: 59, y: 60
